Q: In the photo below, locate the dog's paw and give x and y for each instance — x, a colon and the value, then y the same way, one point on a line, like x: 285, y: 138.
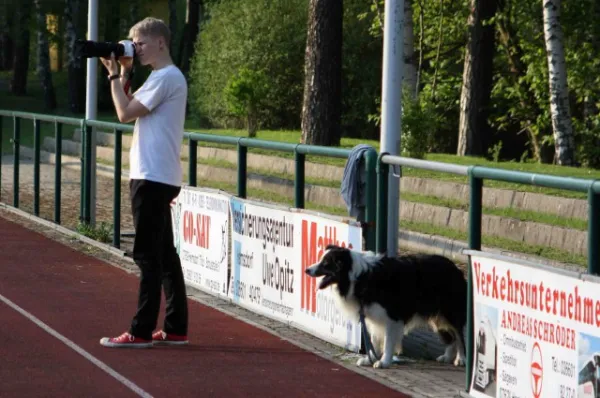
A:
x: 459, y: 361
x: 364, y: 361
x: 444, y: 358
x: 381, y: 364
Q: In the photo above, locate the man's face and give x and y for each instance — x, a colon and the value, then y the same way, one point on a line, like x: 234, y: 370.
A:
x: 147, y: 48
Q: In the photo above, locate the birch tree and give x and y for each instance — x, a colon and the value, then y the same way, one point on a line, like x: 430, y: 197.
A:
x: 43, y: 58
x: 564, y: 147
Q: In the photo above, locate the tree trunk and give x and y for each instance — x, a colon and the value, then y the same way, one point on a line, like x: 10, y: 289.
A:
x: 43, y: 58
x: 6, y: 40
x: 75, y: 65
x: 18, y: 84
x: 322, y: 105
x: 474, y: 129
x: 514, y: 53
x: 172, y: 25
x: 564, y: 147
x: 410, y: 68
x: 193, y: 17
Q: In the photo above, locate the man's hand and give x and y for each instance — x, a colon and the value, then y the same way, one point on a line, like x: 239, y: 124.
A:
x: 126, y: 63
x: 128, y: 109
x: 111, y: 65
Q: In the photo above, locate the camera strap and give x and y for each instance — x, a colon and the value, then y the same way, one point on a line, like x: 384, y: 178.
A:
x: 127, y: 85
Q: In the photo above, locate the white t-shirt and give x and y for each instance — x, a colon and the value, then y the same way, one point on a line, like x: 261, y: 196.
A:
x: 156, y: 147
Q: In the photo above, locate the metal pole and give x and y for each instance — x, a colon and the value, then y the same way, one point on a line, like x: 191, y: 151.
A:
x: 117, y: 191
x: 16, y: 158
x: 36, y: 167
x: 475, y: 210
x: 242, y: 170
x: 193, y: 162
x: 299, y: 180
x: 391, y: 108
x: 371, y: 200
x: 57, y: 171
x: 593, y: 232
x: 91, y: 105
x: 383, y: 172
x: 1, y: 125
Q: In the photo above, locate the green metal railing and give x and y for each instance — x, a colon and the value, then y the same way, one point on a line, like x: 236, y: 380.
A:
x: 37, y: 120
x: 300, y: 152
x: 117, y: 130
x: 476, y: 176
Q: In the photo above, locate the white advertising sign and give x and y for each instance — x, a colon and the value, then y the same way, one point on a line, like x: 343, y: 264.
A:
x: 201, y: 223
x: 264, y: 271
x: 317, y: 312
x: 271, y: 247
x: 536, y: 332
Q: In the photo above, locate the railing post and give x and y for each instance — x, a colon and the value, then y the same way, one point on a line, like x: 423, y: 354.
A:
x: 87, y: 207
x: 475, y: 210
x: 242, y: 170
x: 383, y: 172
x: 82, y: 174
x: 299, y: 179
x: 370, y: 161
x: 36, y: 167
x: 593, y: 230
x: 1, y: 126
x: 57, y: 170
x: 17, y: 154
x: 193, y: 162
x: 117, y: 191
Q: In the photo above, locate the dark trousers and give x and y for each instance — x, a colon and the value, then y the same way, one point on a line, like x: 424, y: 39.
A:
x: 155, y: 254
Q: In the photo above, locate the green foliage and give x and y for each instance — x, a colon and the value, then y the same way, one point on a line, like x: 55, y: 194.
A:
x: 258, y: 35
x: 419, y: 123
x: 245, y: 93
x: 101, y: 232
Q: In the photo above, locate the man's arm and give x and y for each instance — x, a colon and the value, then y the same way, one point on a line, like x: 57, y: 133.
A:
x: 127, y: 109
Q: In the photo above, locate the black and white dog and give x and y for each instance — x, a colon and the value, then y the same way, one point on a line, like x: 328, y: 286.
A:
x: 398, y: 294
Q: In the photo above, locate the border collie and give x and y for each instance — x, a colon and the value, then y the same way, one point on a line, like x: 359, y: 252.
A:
x: 397, y: 295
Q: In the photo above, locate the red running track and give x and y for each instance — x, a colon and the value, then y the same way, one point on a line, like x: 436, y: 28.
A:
x: 81, y: 299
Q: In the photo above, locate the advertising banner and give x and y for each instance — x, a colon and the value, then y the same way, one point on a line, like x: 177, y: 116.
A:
x: 317, y: 311
x: 200, y: 220
x: 271, y: 248
x: 536, y: 331
x: 264, y: 271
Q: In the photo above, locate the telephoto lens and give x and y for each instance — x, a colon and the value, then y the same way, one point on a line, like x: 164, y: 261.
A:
x: 91, y: 49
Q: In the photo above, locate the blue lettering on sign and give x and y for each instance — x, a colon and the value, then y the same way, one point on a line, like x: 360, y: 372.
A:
x: 237, y: 249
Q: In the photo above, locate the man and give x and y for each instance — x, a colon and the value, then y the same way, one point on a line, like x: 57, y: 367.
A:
x: 158, y: 109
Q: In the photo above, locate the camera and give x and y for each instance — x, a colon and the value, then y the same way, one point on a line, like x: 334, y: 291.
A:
x: 91, y: 49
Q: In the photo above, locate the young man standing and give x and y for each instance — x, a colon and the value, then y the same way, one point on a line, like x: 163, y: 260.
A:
x: 158, y: 109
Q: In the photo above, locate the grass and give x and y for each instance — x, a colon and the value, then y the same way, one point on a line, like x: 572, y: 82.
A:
x: 524, y: 215
x: 492, y: 241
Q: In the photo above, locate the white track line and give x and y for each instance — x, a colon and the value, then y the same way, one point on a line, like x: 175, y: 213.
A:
x: 128, y: 383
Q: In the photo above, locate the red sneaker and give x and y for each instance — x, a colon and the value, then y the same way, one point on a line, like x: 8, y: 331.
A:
x: 126, y: 340
x: 162, y: 338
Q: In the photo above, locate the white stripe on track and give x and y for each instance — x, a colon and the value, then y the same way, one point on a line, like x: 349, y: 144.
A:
x: 128, y: 383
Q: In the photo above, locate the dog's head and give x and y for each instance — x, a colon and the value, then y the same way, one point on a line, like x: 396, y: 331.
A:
x: 335, y: 266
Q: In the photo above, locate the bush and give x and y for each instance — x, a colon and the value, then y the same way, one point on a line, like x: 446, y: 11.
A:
x: 254, y: 35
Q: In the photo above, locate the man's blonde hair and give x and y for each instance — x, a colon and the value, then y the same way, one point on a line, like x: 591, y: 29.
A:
x: 151, y: 27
